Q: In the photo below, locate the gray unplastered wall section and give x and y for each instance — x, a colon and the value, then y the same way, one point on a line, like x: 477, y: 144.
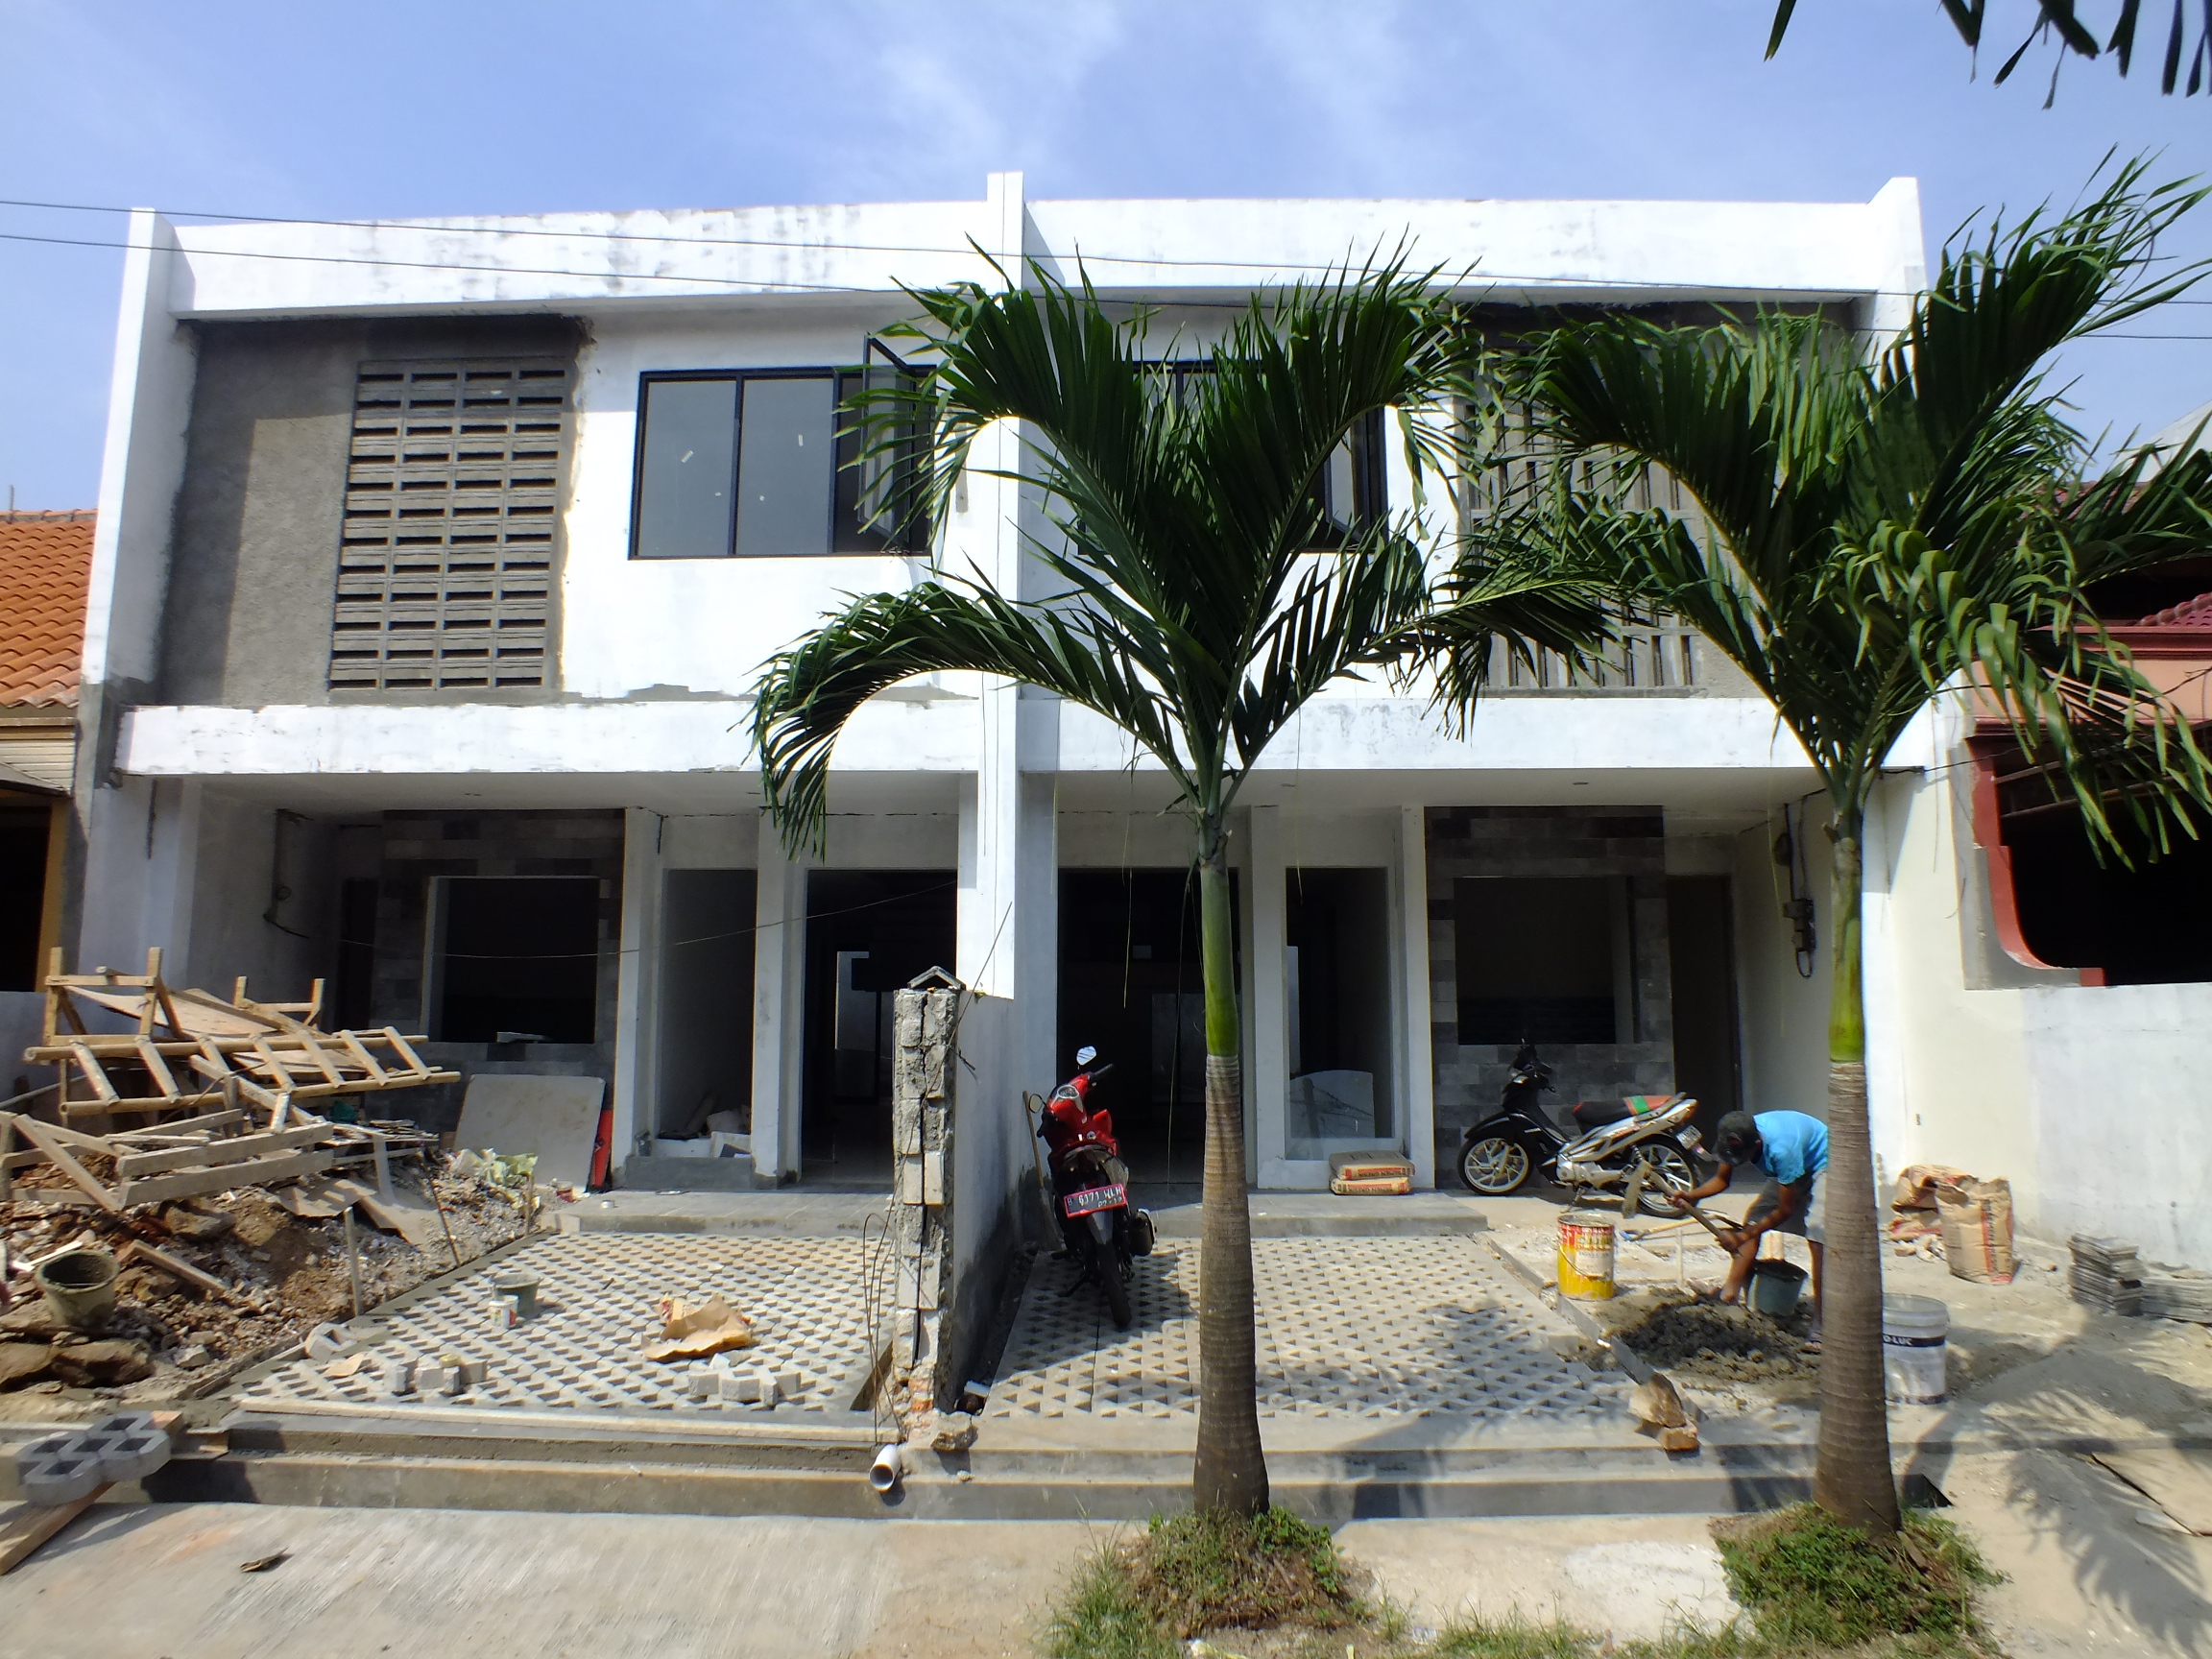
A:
x: 253, y: 555
x: 1503, y: 841
x: 419, y: 847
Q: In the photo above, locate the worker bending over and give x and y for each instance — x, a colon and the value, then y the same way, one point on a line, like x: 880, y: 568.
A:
x: 1793, y: 1148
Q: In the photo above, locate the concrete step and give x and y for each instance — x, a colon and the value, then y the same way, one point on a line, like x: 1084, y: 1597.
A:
x: 821, y: 1470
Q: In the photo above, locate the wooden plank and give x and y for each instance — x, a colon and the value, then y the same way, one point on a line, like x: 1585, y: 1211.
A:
x: 141, y: 1103
x: 400, y: 1046
x: 87, y: 1065
x: 207, y: 1120
x: 153, y: 991
x: 279, y: 1074
x: 26, y: 1525
x: 78, y: 1138
x: 314, y: 1051
x: 192, y: 1183
x: 178, y: 1268
x: 361, y: 1056
x: 40, y: 1136
x: 156, y: 1068
x: 130, y: 1165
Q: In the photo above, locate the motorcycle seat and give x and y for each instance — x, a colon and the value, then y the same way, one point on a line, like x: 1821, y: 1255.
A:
x: 1596, y: 1114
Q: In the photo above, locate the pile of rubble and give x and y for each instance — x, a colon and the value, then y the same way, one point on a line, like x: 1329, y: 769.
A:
x: 217, y: 1156
x: 214, y: 1284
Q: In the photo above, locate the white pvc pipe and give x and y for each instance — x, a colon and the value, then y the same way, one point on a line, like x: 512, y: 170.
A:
x: 889, y: 1467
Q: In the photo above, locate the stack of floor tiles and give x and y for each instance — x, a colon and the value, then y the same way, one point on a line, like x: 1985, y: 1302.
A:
x: 2176, y: 1293
x: 2106, y: 1274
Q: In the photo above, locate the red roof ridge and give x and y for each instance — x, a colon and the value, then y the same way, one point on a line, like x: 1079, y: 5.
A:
x: 2194, y: 612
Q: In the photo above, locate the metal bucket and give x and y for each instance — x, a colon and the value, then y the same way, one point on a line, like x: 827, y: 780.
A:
x: 80, y: 1288
x: 1586, y: 1255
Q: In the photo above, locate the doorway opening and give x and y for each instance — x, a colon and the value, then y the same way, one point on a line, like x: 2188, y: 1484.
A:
x: 1130, y: 987
x: 1701, y: 966
x: 25, y: 833
x: 703, y: 1062
x: 1337, y: 1012
x: 868, y: 933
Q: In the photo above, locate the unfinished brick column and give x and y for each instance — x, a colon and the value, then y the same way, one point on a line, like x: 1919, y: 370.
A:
x: 922, y: 1197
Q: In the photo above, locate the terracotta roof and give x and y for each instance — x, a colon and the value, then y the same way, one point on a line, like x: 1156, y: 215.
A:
x: 46, y: 567
x: 2194, y: 612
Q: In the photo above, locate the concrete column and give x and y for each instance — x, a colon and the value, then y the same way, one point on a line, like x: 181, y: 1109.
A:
x: 637, y: 998
x: 1268, y: 1078
x: 1037, y: 933
x: 779, y: 1007
x: 1416, y: 1071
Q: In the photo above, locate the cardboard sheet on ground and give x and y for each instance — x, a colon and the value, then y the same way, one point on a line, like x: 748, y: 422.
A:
x: 692, y: 1332
x: 2178, y: 1481
x: 556, y: 1117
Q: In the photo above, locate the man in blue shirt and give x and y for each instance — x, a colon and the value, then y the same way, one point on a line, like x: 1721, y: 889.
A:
x: 1793, y: 1148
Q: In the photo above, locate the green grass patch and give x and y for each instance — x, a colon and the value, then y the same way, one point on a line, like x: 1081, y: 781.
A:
x: 1102, y: 1616
x: 1185, y: 1574
x: 1203, y: 1573
x: 1810, y: 1581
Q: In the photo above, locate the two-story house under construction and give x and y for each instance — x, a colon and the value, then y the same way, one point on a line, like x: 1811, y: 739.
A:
x: 435, y: 562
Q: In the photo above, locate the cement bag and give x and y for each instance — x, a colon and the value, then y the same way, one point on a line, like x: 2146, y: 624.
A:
x: 1916, y: 1186
x: 1977, y: 1221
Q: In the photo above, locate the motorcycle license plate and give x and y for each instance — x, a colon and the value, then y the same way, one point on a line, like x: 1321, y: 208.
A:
x: 1096, y: 1198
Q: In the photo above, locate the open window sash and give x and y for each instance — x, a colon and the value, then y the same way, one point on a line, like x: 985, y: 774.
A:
x: 879, y: 505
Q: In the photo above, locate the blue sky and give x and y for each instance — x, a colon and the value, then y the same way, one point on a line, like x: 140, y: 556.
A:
x: 409, y: 109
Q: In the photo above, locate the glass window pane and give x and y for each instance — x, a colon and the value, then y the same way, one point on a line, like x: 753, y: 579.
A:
x: 785, y: 466
x: 683, y: 497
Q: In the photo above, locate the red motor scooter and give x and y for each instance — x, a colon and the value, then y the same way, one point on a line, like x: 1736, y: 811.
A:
x: 1099, y: 1228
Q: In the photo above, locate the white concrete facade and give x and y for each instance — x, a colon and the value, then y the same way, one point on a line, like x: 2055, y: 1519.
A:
x: 1004, y: 791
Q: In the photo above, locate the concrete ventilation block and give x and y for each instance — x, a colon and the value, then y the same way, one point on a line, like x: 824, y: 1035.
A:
x: 133, y: 1456
x: 44, y: 1447
x: 62, y: 1478
x: 125, y: 1423
x: 743, y: 1386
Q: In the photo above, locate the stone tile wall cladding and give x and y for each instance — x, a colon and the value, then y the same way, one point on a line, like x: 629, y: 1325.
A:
x: 419, y: 847
x: 1492, y: 841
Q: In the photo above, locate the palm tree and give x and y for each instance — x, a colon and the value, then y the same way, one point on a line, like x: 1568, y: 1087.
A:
x: 2060, y: 21
x: 1196, y: 614
x: 1873, y: 536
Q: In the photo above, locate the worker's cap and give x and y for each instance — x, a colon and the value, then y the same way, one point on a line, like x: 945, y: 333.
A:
x: 1736, y: 1137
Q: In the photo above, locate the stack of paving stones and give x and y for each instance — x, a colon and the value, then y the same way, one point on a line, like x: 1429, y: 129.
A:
x: 63, y: 1468
x: 2106, y: 1274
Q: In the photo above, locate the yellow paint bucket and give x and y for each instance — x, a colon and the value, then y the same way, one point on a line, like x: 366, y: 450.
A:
x: 1586, y: 1255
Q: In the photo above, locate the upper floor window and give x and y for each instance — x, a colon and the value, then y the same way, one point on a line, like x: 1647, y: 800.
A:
x: 765, y: 463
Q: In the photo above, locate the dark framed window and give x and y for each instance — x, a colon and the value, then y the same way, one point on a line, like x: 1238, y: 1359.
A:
x: 769, y: 462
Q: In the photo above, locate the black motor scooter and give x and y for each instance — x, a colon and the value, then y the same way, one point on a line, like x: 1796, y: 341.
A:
x: 1503, y: 1150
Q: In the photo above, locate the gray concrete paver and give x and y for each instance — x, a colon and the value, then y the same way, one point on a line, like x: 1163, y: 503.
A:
x: 597, y: 1304
x: 1351, y: 1327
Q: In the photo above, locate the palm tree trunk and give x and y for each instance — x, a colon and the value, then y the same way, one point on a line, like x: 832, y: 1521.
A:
x: 1852, y: 1480
x: 1231, y: 1470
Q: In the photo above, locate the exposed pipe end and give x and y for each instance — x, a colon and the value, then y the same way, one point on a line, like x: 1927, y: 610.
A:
x: 888, y: 1469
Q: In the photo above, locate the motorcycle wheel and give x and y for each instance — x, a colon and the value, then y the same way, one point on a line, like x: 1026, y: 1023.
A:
x: 1666, y: 1169
x: 1495, y: 1165
x: 1108, y: 1261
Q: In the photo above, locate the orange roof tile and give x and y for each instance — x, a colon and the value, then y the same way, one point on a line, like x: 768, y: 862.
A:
x: 45, y: 569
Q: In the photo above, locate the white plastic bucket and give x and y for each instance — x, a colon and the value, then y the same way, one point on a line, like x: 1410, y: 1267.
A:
x: 1914, y: 1333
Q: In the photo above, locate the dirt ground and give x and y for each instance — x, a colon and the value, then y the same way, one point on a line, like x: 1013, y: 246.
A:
x: 169, y: 1340
x: 2009, y: 1345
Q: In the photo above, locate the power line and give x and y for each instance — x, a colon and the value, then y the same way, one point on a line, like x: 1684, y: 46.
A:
x: 1078, y: 255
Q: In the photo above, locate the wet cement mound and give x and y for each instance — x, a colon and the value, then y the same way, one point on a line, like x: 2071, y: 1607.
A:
x: 1700, y: 1338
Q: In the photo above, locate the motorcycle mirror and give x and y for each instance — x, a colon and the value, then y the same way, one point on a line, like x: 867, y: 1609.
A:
x: 1084, y: 1057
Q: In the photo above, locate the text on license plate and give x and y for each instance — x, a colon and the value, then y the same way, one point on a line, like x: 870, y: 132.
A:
x: 1096, y: 1198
